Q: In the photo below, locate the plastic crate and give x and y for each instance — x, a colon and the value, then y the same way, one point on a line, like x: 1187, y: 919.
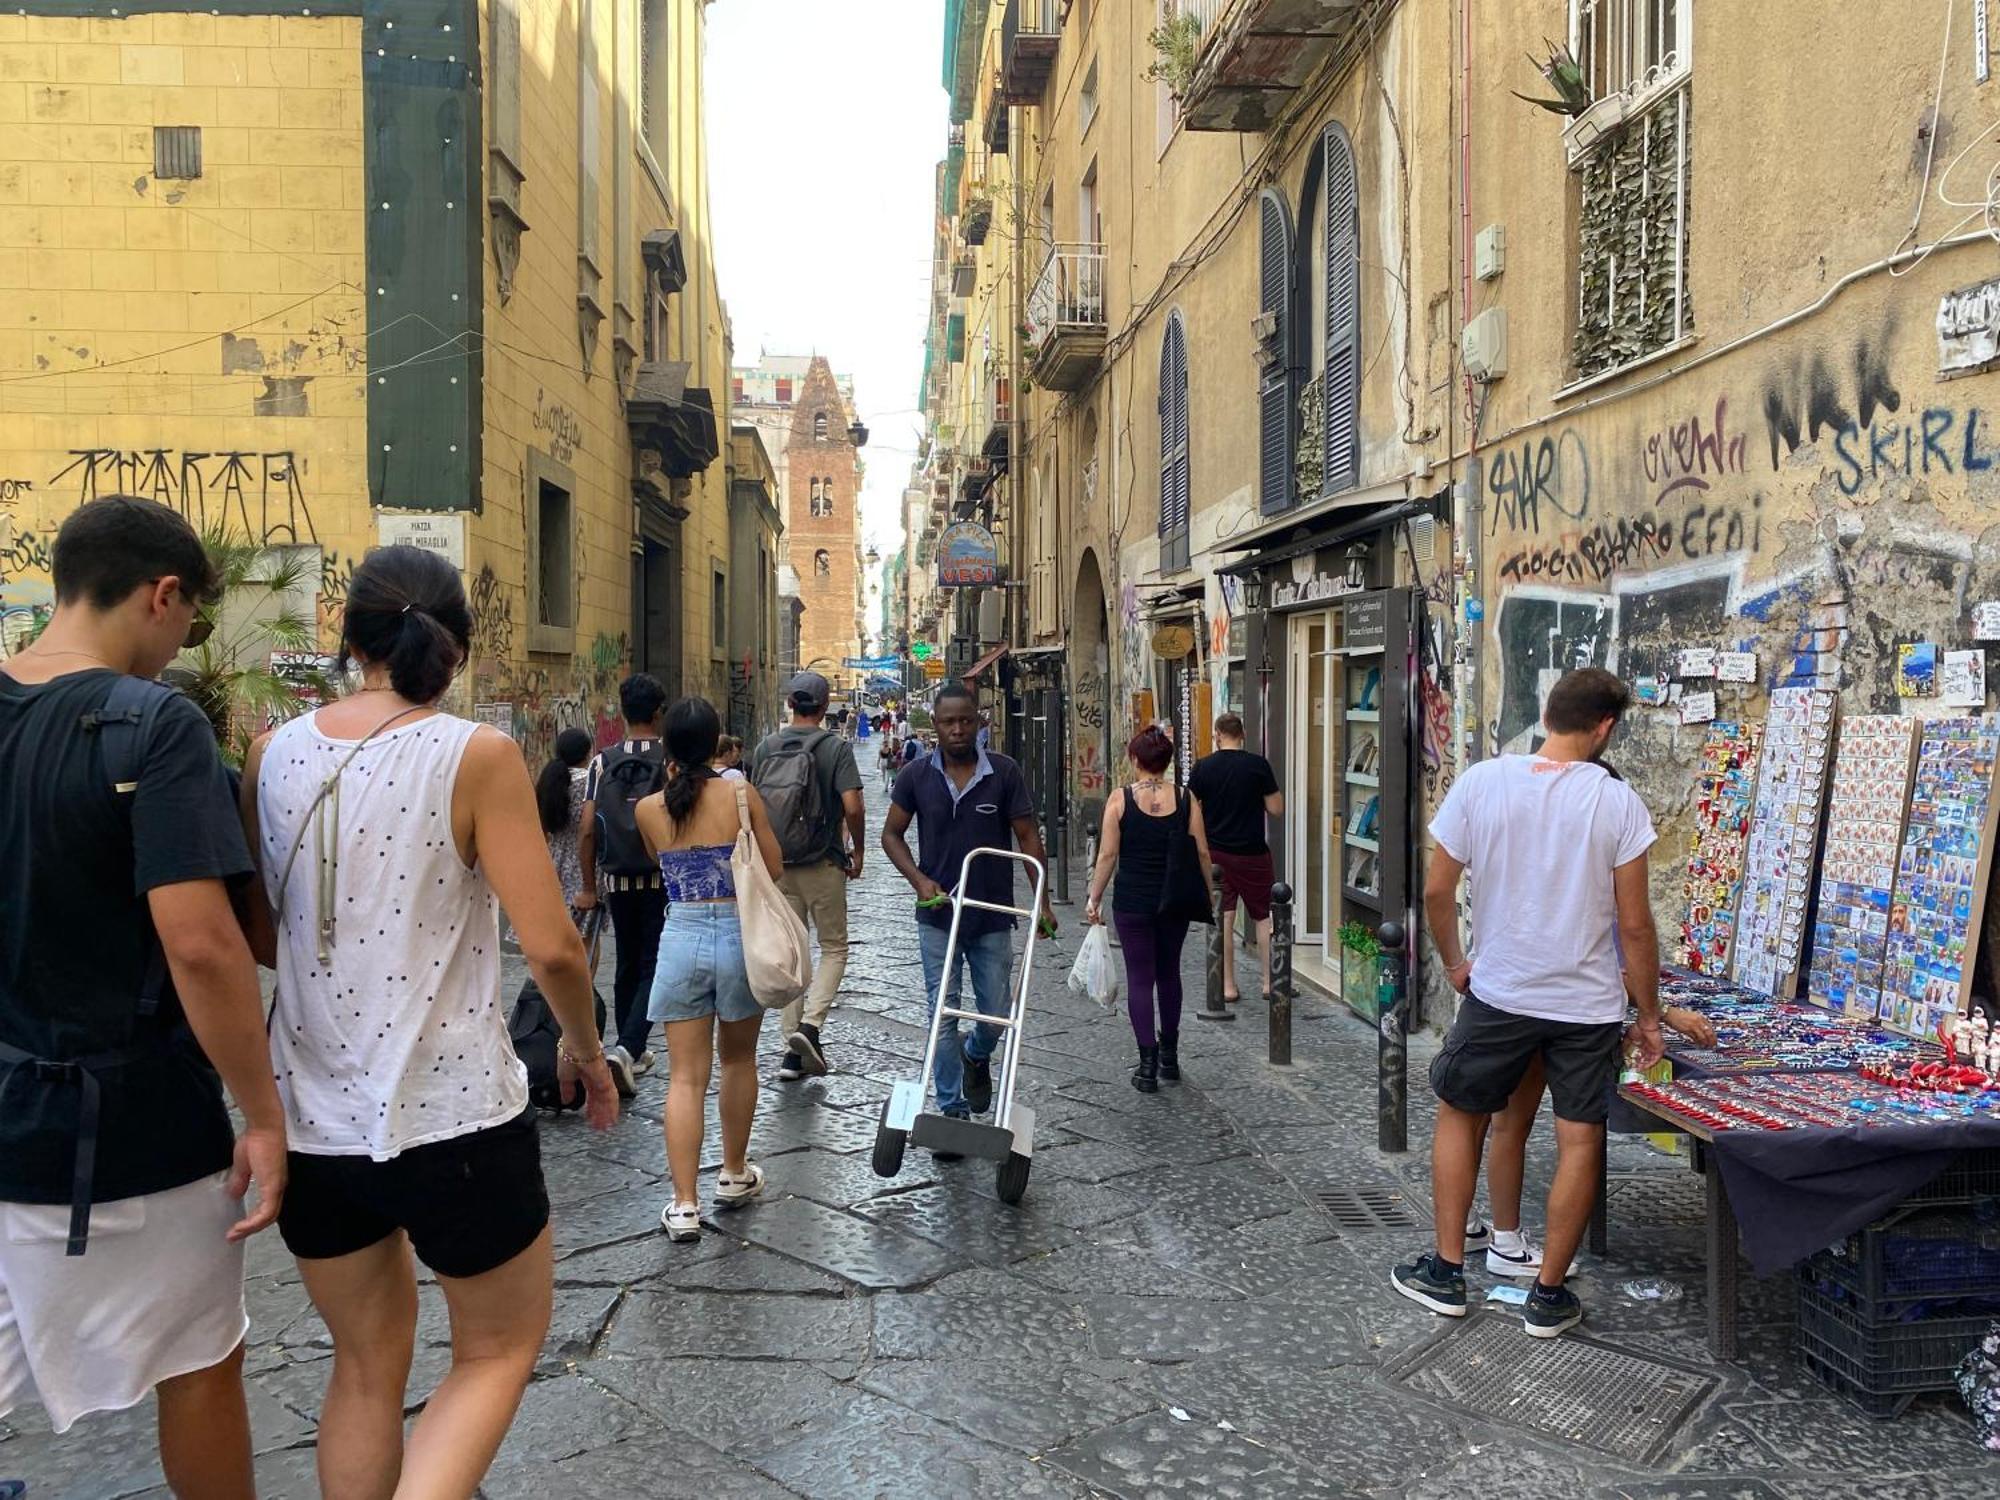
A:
x: 1941, y: 1255
x: 1972, y: 1176
x: 1882, y: 1366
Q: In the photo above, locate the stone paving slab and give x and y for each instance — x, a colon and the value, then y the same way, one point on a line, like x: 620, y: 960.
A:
x: 853, y: 1248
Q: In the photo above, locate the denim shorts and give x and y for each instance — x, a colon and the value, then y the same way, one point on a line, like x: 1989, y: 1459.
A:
x: 700, y: 970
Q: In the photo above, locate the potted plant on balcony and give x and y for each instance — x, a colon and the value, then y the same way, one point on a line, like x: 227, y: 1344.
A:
x: 1176, y: 43
x: 977, y: 216
x: 1360, y: 969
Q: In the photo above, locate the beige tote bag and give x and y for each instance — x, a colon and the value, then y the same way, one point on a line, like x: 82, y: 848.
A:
x: 776, y: 951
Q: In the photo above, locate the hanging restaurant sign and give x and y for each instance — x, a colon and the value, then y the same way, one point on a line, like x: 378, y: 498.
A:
x: 967, y: 557
x: 1316, y: 587
x: 1172, y: 642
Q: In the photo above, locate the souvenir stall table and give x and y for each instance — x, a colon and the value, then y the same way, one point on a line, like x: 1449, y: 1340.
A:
x: 1879, y: 1087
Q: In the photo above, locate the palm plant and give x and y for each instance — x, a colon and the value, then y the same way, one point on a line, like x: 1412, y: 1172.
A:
x: 230, y: 676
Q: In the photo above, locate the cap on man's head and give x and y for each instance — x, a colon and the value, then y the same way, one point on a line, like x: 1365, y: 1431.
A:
x: 808, y: 693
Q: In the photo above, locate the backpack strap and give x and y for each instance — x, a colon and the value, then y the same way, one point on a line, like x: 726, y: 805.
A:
x: 124, y: 725
x: 743, y: 810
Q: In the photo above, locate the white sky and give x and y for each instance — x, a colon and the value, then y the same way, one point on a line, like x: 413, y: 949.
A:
x: 826, y: 124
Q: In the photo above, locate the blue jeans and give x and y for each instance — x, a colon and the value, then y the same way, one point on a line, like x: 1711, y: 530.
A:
x: 990, y: 959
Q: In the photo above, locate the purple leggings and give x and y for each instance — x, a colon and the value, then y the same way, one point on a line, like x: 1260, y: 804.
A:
x: 1152, y: 967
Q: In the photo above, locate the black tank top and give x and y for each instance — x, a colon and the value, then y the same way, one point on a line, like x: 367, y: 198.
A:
x: 1143, y: 842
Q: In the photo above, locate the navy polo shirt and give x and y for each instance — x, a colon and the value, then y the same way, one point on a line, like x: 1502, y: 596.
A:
x: 951, y: 823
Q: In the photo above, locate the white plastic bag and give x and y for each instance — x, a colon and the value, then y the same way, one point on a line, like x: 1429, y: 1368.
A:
x: 1095, y: 972
x: 777, y: 953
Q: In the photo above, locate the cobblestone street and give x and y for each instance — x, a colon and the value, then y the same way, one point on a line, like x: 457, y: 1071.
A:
x: 1172, y: 1310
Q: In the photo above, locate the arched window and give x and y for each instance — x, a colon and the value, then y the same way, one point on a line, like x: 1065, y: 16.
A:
x: 819, y: 427
x: 823, y: 563
x: 1340, y: 212
x: 1174, y: 446
x: 822, y: 497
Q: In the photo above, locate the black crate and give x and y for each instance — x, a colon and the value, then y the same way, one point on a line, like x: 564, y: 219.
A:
x: 1972, y: 1176
x: 1949, y: 1256
x: 1881, y: 1365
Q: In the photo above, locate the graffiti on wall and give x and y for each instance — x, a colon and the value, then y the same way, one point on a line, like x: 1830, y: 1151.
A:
x: 259, y: 495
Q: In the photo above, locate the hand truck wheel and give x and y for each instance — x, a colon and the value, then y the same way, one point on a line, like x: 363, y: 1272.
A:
x: 889, y: 1144
x: 1010, y: 1178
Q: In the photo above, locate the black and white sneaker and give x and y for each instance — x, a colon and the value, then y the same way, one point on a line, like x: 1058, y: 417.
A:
x: 1516, y: 1255
x: 620, y: 1062
x: 1478, y: 1235
x: 1422, y: 1280
x: 805, y: 1047
x: 1549, y: 1314
x: 791, y: 1070
x: 978, y: 1081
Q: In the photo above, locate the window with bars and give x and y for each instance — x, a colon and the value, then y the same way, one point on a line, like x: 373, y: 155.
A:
x: 654, y: 103
x: 1174, y: 487
x: 1632, y: 297
x: 1640, y: 48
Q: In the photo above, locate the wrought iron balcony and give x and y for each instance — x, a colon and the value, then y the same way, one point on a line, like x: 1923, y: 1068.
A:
x: 1066, y: 326
x: 1253, y: 56
x: 1029, y: 35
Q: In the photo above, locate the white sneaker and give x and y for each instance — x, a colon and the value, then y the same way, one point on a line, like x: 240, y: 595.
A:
x: 682, y: 1221
x: 620, y: 1062
x: 643, y: 1063
x: 1519, y: 1257
x: 1478, y: 1235
x: 734, y: 1192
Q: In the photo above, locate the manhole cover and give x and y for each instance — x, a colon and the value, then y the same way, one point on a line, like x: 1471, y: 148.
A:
x: 1361, y: 1209
x: 1569, y: 1388
x: 1656, y: 1199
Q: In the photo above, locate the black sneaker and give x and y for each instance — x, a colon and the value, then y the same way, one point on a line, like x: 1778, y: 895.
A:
x: 1548, y: 1314
x: 978, y: 1081
x: 805, y: 1047
x: 1443, y: 1292
x: 791, y: 1070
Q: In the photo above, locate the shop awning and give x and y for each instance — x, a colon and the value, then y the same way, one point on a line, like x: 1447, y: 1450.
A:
x: 972, y: 673
x: 1329, y: 536
x: 1366, y: 501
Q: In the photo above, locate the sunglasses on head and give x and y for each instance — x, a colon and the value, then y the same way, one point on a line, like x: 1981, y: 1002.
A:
x: 201, y: 627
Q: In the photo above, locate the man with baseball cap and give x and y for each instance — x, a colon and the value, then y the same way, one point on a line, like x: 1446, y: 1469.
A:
x: 811, y: 787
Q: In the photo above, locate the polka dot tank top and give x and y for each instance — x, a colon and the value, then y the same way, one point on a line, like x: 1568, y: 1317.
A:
x: 397, y: 1039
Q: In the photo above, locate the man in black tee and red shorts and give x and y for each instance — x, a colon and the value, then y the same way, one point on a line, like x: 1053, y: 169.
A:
x: 1237, y: 790
x: 125, y: 985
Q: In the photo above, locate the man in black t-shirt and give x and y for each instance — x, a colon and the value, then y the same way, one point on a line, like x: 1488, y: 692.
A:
x: 1237, y: 791
x: 125, y: 984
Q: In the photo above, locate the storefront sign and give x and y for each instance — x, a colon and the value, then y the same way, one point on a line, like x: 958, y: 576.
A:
x: 444, y: 535
x: 967, y: 557
x: 1311, y: 590
x: 871, y: 663
x: 933, y: 668
x: 1172, y: 642
x: 1367, y: 624
x: 922, y: 650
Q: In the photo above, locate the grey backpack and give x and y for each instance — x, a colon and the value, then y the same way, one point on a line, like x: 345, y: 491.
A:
x: 789, y: 779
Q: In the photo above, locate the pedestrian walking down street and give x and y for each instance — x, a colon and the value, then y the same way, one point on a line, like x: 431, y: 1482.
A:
x: 701, y: 992
x: 728, y: 759
x: 560, y: 796
x: 1238, y: 790
x: 1147, y: 826
x: 389, y: 836
x: 1556, y: 849
x: 615, y: 861
x: 126, y: 986
x: 812, y: 791
x: 963, y: 798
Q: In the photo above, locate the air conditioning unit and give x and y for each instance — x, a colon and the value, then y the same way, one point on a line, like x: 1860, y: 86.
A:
x: 1484, y: 345
x: 1594, y: 124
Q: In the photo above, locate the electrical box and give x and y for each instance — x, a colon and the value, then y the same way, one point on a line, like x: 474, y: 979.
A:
x: 1484, y: 345
x: 1489, y: 252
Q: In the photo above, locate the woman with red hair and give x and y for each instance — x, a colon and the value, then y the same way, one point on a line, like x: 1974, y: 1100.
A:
x: 1143, y: 825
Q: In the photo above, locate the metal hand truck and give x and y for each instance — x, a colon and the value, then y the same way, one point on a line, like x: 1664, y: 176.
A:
x: 1010, y: 1139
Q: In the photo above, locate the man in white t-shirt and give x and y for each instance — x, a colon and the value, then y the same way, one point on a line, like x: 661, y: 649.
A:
x: 1557, y: 850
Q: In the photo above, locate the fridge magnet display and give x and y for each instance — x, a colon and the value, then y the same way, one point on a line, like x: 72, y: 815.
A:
x: 1940, y: 891
x: 1736, y: 666
x: 1784, y: 826
x: 1986, y: 621
x: 1916, y: 669
x: 1965, y: 679
x: 1723, y: 792
x: 1866, y: 804
x: 1696, y: 661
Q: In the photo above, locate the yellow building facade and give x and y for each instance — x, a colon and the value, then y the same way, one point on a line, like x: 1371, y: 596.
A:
x: 1313, y: 307
x: 435, y: 272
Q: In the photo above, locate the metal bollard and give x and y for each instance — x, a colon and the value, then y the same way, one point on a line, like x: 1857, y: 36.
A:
x: 1212, y: 1007
x: 1392, y: 1053
x: 1280, y: 1002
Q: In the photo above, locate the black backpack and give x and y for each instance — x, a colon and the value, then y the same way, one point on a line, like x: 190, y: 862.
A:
x: 623, y: 780
x: 535, y: 1031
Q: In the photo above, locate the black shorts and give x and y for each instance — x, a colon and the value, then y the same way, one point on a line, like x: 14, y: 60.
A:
x: 469, y: 1204
x: 1488, y: 1050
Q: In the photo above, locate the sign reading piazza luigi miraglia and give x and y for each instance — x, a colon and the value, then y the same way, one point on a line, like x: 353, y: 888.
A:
x: 967, y: 557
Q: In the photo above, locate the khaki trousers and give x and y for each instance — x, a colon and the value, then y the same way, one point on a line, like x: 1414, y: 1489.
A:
x: 818, y: 893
